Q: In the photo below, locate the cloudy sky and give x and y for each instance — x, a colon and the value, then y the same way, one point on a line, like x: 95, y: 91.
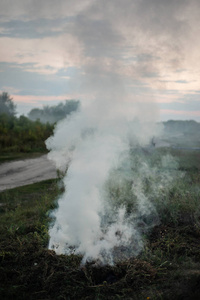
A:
x: 144, y: 51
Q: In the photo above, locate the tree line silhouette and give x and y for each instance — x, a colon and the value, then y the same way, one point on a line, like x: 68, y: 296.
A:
x: 28, y: 134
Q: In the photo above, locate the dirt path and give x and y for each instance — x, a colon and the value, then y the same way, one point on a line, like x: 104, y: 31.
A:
x: 28, y: 171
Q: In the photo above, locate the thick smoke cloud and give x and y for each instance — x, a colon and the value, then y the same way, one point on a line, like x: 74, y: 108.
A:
x: 111, y: 181
x: 111, y: 186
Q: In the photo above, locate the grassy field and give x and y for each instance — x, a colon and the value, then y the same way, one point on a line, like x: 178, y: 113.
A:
x: 168, y: 267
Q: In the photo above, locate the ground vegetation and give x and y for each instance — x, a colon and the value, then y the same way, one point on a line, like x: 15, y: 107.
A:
x: 167, y: 268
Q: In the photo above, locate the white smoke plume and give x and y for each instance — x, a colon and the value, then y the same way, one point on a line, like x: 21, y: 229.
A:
x: 111, y: 177
x: 110, y: 185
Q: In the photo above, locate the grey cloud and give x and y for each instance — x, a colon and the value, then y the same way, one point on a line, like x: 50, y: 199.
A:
x: 97, y: 36
x: 183, y: 106
x: 191, y: 98
x: 157, y: 28
x: 32, y: 83
x: 182, y: 81
x: 33, y: 9
x: 153, y: 17
x: 34, y: 29
x: 151, y: 33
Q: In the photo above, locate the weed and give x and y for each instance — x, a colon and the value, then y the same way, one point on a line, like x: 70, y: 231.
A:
x: 167, y: 268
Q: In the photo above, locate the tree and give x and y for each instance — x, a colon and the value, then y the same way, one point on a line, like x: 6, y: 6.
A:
x: 7, y: 105
x: 54, y: 113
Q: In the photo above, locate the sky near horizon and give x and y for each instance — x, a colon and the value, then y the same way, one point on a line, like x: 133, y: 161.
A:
x: 144, y: 51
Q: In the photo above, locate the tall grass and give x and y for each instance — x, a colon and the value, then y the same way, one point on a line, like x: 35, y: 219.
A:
x: 167, y: 268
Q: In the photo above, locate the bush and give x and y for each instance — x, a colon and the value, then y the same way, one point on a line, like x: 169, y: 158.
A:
x: 23, y: 135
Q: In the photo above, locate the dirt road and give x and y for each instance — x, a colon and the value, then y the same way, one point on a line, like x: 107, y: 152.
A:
x: 26, y: 171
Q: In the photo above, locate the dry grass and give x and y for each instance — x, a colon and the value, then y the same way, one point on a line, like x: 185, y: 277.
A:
x: 168, y: 267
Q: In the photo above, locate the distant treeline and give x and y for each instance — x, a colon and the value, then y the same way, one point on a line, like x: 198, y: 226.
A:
x: 22, y: 135
x: 184, y: 127
x: 28, y: 134
x: 53, y: 114
x: 182, y: 133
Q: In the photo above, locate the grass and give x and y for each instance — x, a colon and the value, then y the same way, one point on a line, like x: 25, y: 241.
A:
x: 168, y: 267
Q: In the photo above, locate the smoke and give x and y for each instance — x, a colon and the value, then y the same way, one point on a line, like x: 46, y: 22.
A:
x: 112, y: 175
x: 112, y: 180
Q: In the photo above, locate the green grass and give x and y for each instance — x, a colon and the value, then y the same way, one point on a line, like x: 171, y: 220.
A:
x: 168, y: 267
